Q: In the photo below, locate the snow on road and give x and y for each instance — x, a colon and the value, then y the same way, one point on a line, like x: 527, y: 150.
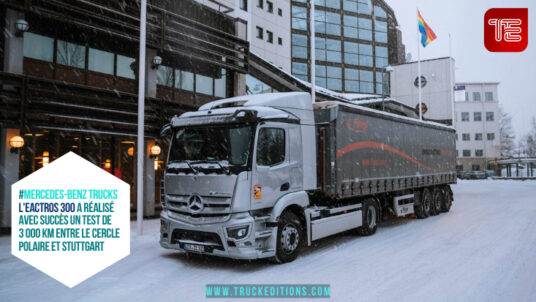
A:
x: 483, y: 250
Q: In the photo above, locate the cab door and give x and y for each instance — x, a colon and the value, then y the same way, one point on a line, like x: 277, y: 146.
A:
x: 271, y: 165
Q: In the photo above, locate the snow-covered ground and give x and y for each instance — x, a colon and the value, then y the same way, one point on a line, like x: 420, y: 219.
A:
x: 483, y: 250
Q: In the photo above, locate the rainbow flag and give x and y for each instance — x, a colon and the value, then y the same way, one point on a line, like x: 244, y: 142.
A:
x: 427, y: 34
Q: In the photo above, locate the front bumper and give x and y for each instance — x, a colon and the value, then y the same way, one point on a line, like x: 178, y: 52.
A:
x: 258, y: 243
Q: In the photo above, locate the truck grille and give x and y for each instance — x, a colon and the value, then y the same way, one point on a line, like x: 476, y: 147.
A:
x: 214, y: 208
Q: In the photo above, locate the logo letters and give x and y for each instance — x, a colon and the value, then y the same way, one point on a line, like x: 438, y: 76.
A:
x: 507, y: 29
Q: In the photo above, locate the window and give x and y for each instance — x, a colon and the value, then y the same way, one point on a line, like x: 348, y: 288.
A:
x: 489, y: 116
x: 380, y: 31
x: 327, y: 23
x: 280, y: 12
x: 269, y: 36
x: 365, y: 55
x: 259, y: 34
x: 366, y: 81
x: 300, y: 70
x: 475, y: 167
x: 381, y: 56
x: 101, y: 61
x: 491, y: 136
x: 280, y: 41
x: 203, y: 84
x: 187, y: 81
x: 244, y: 5
x: 299, y: 46
x: 467, y: 96
x: 465, y: 116
x: 489, y: 96
x: 379, y: 12
x: 220, y: 89
x: 466, y: 153
x: 478, y: 136
x: 164, y: 76
x: 38, y: 47
x: 270, y: 6
x: 255, y: 86
x: 466, y: 136
x: 334, y: 78
x: 124, y: 67
x: 328, y: 50
x: 477, y: 116
x: 299, y: 17
x: 479, y: 152
x: 260, y: 3
x: 270, y: 146
x: 333, y: 3
x: 71, y: 54
x: 351, y: 53
x: 476, y: 96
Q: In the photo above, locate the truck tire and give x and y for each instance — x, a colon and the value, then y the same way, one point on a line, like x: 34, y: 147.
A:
x: 447, y: 199
x: 370, y: 220
x: 423, y: 209
x: 437, y: 202
x: 289, y: 238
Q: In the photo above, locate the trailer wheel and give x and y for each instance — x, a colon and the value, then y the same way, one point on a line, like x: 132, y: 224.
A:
x: 437, y: 202
x: 370, y: 218
x: 289, y: 238
x: 447, y: 200
x: 423, y: 209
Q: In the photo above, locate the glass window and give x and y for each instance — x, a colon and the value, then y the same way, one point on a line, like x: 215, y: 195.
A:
x: 321, y: 82
x: 479, y: 152
x: 365, y: 75
x: 299, y: 17
x: 333, y: 3
x: 320, y: 70
x: 244, y: 5
x: 350, y: 32
x: 466, y: 153
x: 365, y: 23
x: 334, y: 84
x: 299, y: 52
x: 269, y: 37
x: 351, y: 47
x: 477, y: 116
x: 366, y: 87
x: 203, y: 84
x: 478, y: 136
x: 260, y: 3
x: 71, y: 54
x: 38, y: 47
x: 299, y: 68
x: 101, y: 61
x: 381, y: 62
x: 489, y: 116
x: 177, y: 78
x: 381, y: 51
x: 352, y: 86
x: 164, y: 76
x: 465, y: 116
x: 350, y: 20
x: 365, y: 34
x: 380, y: 37
x: 466, y: 137
x: 270, y: 7
x: 333, y: 18
x: 381, y: 26
x: 124, y: 68
x: 334, y: 72
x: 491, y: 136
x: 489, y: 96
x: 333, y: 56
x: 476, y: 96
x: 255, y: 86
x: 187, y: 80
x: 350, y: 58
x: 351, y: 74
x: 270, y: 146
x: 220, y: 85
x: 379, y: 12
x: 259, y: 32
x: 350, y: 6
x: 363, y: 8
x: 365, y: 49
x: 300, y: 40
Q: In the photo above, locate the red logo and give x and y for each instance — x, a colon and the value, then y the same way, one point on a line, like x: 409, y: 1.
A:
x: 356, y: 125
x: 506, y: 29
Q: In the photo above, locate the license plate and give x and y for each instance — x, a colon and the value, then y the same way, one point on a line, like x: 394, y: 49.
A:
x: 194, y: 247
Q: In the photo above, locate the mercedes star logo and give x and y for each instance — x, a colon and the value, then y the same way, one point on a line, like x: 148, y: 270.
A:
x: 195, y: 203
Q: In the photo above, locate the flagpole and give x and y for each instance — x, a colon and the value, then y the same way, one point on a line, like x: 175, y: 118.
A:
x: 451, y: 81
x: 312, y: 49
x: 419, y: 71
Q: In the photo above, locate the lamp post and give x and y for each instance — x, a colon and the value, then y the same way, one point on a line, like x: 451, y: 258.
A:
x: 16, y: 142
x: 385, y: 84
x: 21, y: 27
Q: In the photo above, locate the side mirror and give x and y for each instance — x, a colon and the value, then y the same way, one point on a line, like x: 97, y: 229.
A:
x: 166, y: 130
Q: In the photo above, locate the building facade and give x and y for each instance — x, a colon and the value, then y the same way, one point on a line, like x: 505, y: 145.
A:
x: 354, y: 41
x: 477, y: 126
x: 437, y: 78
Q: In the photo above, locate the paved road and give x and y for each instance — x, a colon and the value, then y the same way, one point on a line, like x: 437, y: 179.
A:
x: 483, y: 250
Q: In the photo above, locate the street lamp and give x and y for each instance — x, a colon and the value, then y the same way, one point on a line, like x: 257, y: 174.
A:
x: 16, y: 142
x: 21, y: 27
x: 385, y: 84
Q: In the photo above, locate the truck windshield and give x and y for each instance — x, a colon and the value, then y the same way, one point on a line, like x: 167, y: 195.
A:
x: 228, y: 144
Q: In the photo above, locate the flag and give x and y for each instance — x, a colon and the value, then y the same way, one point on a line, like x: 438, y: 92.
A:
x: 427, y: 34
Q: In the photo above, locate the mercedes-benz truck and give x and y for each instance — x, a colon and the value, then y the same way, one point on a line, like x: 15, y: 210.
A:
x: 263, y: 176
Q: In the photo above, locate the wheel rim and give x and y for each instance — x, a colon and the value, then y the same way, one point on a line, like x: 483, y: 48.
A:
x: 290, y: 238
x: 448, y: 201
x: 426, y: 203
x: 437, y: 203
x: 371, y: 213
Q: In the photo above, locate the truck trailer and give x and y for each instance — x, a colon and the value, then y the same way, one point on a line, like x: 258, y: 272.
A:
x: 263, y: 176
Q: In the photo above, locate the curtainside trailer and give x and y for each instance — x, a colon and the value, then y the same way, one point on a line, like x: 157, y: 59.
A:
x: 262, y: 176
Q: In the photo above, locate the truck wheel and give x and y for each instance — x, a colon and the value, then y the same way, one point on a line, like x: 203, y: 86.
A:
x: 423, y: 209
x: 370, y: 218
x: 289, y: 238
x: 437, y: 201
x: 447, y: 200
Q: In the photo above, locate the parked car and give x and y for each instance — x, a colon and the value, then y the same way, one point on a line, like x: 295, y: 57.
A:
x: 477, y: 175
x: 462, y: 175
x: 490, y: 173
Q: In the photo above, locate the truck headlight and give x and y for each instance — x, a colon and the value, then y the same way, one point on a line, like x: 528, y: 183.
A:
x: 238, y: 232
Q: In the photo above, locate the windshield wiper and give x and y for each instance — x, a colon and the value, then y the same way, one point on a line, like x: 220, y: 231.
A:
x: 188, y: 162
x: 226, y: 169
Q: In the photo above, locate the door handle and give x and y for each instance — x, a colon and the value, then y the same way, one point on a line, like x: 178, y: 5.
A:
x: 285, y: 186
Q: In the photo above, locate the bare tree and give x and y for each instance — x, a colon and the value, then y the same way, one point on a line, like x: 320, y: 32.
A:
x: 527, y: 144
x: 71, y: 54
x: 506, y: 133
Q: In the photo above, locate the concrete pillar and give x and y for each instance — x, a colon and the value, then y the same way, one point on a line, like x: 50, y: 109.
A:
x: 150, y: 74
x: 241, y: 30
x: 13, y: 47
x: 149, y: 182
x: 9, y: 174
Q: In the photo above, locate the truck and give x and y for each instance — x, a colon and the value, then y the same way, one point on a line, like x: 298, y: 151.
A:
x: 264, y: 176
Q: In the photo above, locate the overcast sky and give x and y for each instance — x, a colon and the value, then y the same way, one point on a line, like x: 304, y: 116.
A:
x: 464, y: 20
